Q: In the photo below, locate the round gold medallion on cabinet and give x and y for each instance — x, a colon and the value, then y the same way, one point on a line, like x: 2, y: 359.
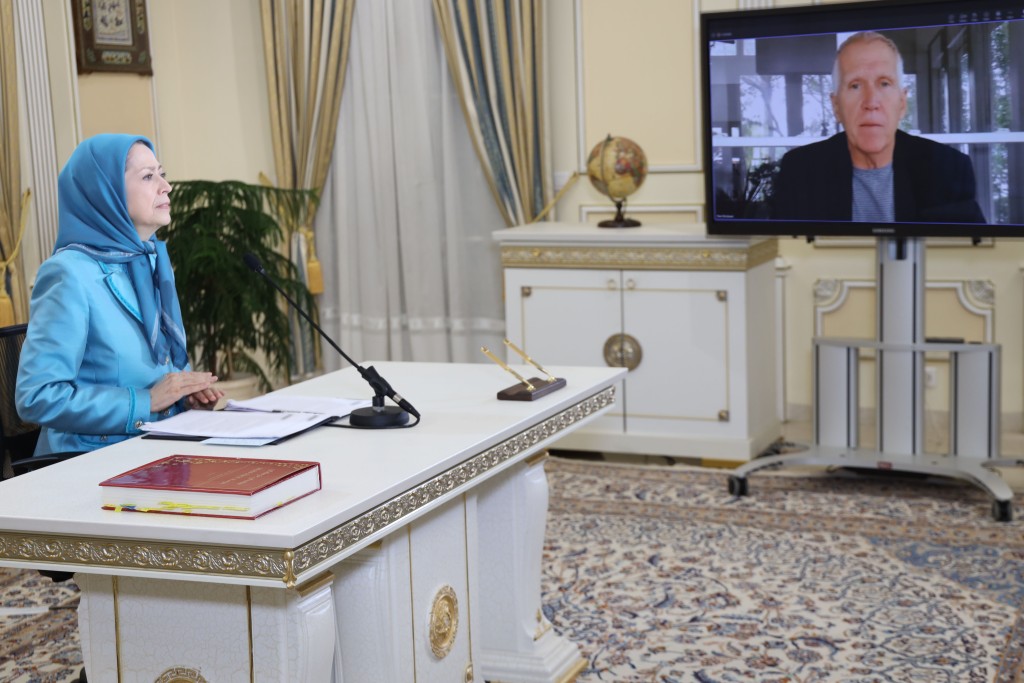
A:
x: 623, y: 351
x: 444, y: 622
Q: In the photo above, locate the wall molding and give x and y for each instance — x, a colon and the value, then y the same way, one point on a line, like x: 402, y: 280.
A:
x: 587, y: 211
x: 977, y: 297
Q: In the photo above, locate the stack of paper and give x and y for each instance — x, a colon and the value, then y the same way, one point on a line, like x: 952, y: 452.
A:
x: 254, y: 422
x: 234, y: 424
x: 336, y: 407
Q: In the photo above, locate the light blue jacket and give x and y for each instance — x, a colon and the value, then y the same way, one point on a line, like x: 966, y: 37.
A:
x: 87, y: 400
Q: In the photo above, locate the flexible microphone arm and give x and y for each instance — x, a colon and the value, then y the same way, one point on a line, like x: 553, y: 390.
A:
x: 380, y: 386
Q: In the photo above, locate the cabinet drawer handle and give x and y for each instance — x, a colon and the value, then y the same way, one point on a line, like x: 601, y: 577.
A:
x: 630, y: 283
x: 612, y: 284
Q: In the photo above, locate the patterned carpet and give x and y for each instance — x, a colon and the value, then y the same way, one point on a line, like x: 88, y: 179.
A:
x: 660, y: 575
x: 38, y: 629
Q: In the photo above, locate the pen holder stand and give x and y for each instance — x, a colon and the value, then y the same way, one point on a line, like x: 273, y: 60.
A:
x: 541, y: 387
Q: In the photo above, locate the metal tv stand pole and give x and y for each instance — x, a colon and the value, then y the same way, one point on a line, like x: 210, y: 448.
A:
x: 899, y: 367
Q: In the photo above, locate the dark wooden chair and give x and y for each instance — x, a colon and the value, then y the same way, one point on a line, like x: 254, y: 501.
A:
x: 17, y: 437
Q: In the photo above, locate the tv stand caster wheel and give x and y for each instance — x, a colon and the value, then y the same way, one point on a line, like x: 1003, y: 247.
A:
x: 737, y: 486
x: 1002, y: 510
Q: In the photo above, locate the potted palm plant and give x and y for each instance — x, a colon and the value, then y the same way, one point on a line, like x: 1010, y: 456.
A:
x: 232, y: 319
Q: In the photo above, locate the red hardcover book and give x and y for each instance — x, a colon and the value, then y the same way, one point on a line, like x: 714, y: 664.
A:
x: 211, y: 486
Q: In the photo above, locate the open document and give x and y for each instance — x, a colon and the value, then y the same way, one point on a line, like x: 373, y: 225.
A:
x: 234, y: 424
x: 256, y: 421
x: 325, y: 405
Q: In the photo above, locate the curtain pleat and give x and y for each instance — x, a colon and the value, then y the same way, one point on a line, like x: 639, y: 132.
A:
x: 13, y: 302
x: 406, y: 216
x: 306, y: 47
x: 495, y: 55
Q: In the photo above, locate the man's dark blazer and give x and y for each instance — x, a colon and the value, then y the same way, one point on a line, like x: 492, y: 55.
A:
x: 932, y: 182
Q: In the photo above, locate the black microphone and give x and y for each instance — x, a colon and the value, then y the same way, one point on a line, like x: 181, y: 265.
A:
x: 378, y: 416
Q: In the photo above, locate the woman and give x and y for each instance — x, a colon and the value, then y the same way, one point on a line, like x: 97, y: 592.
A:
x: 105, y: 349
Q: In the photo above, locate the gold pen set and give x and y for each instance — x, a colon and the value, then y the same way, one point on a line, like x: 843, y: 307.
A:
x: 527, y: 389
x: 501, y: 364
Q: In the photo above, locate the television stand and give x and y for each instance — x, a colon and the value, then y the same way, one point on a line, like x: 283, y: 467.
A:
x: 899, y: 358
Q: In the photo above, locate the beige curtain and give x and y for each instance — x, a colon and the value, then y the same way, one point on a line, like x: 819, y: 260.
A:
x: 306, y: 47
x: 13, y: 302
x: 406, y: 217
x: 495, y: 54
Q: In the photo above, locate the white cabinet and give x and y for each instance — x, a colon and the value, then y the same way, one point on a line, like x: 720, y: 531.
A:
x: 692, y: 317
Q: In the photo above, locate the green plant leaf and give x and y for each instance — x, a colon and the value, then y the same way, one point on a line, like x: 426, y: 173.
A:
x: 231, y: 316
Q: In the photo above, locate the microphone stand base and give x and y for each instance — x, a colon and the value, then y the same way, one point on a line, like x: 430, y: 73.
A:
x: 378, y: 418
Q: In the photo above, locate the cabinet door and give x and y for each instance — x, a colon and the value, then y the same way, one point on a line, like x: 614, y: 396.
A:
x: 680, y: 320
x: 564, y: 317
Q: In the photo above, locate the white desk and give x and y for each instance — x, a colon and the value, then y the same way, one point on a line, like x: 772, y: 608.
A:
x: 419, y: 560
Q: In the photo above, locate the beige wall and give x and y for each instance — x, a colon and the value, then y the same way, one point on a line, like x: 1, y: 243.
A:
x: 635, y: 75
x: 116, y: 103
x: 205, y: 105
x: 211, y: 89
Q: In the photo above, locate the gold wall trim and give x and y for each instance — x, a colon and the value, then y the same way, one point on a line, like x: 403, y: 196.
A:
x: 283, y: 564
x: 639, y: 257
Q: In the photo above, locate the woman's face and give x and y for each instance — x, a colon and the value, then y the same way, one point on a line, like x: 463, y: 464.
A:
x: 147, y: 191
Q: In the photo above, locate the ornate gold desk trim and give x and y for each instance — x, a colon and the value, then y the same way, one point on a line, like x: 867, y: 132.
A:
x: 639, y: 257
x: 148, y: 555
x: 282, y: 565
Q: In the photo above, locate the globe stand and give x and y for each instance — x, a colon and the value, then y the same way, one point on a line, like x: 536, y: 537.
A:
x: 620, y: 221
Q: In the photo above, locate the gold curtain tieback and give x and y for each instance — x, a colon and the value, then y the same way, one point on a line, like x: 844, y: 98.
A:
x: 314, y: 274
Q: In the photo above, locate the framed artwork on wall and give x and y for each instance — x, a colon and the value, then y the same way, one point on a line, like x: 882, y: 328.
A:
x: 112, y: 36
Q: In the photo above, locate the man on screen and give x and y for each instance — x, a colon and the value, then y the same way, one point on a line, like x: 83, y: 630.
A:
x: 872, y: 172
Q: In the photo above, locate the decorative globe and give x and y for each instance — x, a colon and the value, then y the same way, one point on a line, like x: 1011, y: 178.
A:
x: 617, y: 167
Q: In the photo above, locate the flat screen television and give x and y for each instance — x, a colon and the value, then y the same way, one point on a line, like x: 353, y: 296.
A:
x: 786, y: 152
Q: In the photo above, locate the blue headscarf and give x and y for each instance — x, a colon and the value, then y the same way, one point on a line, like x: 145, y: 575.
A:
x: 94, y: 219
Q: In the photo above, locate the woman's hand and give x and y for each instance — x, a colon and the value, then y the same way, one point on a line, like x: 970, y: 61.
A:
x: 176, y: 385
x: 205, y: 399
